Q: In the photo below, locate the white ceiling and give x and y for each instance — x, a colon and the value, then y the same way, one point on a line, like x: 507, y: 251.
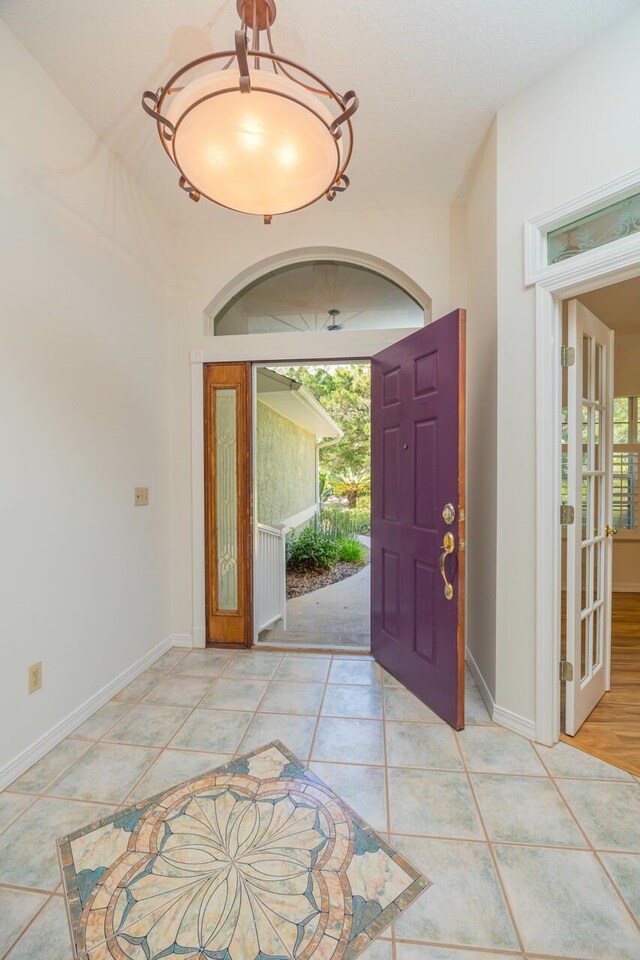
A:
x: 430, y: 74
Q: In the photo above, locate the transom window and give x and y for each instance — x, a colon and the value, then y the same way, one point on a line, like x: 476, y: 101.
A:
x: 317, y: 297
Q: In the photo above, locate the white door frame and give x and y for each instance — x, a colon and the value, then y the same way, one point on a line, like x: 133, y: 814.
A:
x: 288, y: 349
x: 611, y: 263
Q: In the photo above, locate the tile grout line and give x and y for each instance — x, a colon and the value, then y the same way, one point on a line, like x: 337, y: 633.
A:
x: 254, y: 713
x: 15, y: 942
x: 319, y: 715
x: 387, y: 800
x: 590, y: 845
x: 492, y: 853
x: 166, y: 746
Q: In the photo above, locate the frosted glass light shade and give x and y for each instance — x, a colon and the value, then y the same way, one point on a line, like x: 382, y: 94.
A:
x: 266, y: 152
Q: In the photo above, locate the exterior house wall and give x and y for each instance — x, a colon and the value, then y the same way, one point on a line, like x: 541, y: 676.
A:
x: 568, y: 133
x: 286, y: 467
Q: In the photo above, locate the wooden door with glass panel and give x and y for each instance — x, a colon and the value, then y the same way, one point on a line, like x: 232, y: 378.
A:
x: 227, y: 470
x: 589, y: 546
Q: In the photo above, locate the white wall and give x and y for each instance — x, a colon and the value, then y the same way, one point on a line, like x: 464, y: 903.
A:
x: 83, y: 409
x: 573, y: 130
x: 481, y: 411
x: 426, y: 243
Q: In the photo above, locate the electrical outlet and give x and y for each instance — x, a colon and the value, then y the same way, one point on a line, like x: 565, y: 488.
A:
x: 141, y: 497
x: 35, y: 677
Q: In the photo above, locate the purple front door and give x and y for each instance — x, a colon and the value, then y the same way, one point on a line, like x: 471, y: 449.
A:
x: 418, y: 503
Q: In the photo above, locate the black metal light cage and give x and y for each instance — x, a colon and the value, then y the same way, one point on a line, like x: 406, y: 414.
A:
x: 344, y: 105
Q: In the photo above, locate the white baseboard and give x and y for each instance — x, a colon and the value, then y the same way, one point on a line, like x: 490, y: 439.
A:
x: 626, y: 588
x: 485, y: 693
x: 506, y: 718
x: 514, y: 721
x: 181, y: 640
x: 16, y: 767
x: 198, y: 638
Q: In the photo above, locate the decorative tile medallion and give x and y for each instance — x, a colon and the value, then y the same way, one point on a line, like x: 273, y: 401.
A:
x: 256, y: 860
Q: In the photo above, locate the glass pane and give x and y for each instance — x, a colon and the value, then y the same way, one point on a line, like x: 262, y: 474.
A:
x: 597, y: 572
x: 620, y: 219
x: 584, y: 639
x: 598, y: 374
x: 597, y: 507
x: 587, y: 417
x: 586, y: 367
x: 584, y: 578
x: 597, y: 442
x: 321, y: 296
x: 585, y: 507
x: 227, y: 499
x: 596, y: 641
x: 621, y: 417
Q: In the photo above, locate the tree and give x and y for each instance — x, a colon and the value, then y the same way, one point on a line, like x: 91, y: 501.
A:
x: 345, y: 393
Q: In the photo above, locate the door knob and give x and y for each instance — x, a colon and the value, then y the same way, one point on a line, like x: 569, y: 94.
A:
x: 448, y: 546
x: 610, y: 531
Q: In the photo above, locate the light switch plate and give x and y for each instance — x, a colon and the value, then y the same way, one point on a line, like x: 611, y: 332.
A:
x: 141, y: 498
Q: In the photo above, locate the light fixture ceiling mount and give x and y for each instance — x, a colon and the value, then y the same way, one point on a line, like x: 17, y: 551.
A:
x: 251, y: 130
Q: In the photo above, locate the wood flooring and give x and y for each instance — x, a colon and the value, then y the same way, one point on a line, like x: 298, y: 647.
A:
x: 612, y: 731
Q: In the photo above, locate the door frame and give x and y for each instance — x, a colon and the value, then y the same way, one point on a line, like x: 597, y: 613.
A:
x: 283, y: 348
x: 603, y: 266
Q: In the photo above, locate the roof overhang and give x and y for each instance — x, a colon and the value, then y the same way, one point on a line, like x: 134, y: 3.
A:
x: 293, y: 401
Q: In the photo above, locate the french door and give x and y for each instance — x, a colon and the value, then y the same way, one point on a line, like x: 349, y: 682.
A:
x: 418, y: 513
x: 589, y: 537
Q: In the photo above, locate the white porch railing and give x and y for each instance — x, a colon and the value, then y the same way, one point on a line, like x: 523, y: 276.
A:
x: 271, y: 577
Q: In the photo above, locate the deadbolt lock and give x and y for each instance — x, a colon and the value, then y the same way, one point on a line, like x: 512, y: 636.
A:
x: 449, y: 514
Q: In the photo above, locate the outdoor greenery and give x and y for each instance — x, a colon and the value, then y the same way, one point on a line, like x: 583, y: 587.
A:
x: 345, y: 480
x: 345, y: 393
x: 341, y: 524
x: 351, y: 551
x: 316, y: 549
x: 351, y: 484
x: 313, y: 549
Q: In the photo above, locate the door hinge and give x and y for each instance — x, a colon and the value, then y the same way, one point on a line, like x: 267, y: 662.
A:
x: 567, y: 356
x: 566, y: 671
x: 567, y: 515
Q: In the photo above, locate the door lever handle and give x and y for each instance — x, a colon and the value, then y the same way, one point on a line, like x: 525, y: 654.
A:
x: 610, y: 531
x: 448, y: 547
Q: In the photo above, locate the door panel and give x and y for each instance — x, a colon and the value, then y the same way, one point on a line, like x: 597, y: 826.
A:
x: 418, y: 465
x: 228, y: 557
x: 589, y: 549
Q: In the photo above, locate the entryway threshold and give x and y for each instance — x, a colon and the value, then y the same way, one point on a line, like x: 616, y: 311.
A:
x: 312, y: 648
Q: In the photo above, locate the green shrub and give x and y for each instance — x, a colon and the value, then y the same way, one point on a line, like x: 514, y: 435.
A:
x: 312, y: 549
x: 351, y: 551
x: 340, y: 523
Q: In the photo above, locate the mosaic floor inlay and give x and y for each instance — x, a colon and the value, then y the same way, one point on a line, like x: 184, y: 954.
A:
x: 255, y: 860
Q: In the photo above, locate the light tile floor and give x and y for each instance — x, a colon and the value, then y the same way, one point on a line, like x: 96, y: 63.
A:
x: 533, y: 852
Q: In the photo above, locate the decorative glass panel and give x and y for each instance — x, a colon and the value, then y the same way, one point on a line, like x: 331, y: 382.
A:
x: 227, y: 499
x: 322, y: 296
x: 618, y: 220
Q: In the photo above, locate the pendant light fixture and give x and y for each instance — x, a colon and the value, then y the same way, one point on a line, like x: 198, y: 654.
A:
x: 253, y: 131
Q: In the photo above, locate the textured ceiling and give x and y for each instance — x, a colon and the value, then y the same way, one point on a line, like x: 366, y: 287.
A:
x: 430, y: 73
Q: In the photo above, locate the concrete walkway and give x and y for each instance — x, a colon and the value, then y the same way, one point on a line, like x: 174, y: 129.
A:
x: 334, y: 616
